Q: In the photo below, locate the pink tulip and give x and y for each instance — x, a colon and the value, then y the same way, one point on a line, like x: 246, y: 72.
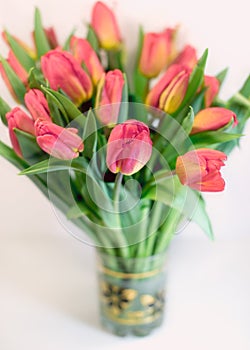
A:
x: 85, y: 54
x: 109, y: 97
x: 170, y: 91
x: 157, y: 51
x: 129, y: 147
x: 200, y: 170
x: 212, y: 85
x: 58, y: 142
x: 105, y: 26
x: 187, y: 57
x: 64, y: 72
x: 213, y: 118
x: 18, y: 119
x: 37, y: 105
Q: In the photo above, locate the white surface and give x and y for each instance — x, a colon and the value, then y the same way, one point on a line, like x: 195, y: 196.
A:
x: 47, y: 278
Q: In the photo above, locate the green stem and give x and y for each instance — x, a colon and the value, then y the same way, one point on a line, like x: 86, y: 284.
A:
x: 160, y: 176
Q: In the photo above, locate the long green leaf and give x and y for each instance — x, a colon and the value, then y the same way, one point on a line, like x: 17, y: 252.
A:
x: 90, y: 135
x: 4, y: 108
x: 208, y: 138
x: 41, y: 41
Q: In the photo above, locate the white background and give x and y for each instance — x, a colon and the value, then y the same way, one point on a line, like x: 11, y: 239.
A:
x: 48, y: 295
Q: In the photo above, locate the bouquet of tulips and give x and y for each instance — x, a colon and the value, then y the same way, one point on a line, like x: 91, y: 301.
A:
x: 123, y: 155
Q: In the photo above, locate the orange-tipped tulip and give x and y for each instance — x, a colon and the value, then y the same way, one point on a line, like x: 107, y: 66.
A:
x: 109, y: 97
x: 170, y: 91
x: 37, y: 105
x: 105, y: 26
x: 212, y: 85
x: 129, y: 147
x: 213, y: 118
x: 18, y: 119
x: 187, y: 57
x: 200, y: 170
x: 58, y: 142
x: 157, y: 51
x: 63, y: 71
x: 85, y: 54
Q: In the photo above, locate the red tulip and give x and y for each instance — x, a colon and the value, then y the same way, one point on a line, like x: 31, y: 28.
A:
x: 213, y: 118
x: 200, y: 170
x: 58, y: 142
x: 37, y: 105
x: 109, y: 97
x: 18, y: 119
x: 212, y: 85
x: 157, y: 51
x: 51, y: 36
x: 105, y: 26
x: 170, y: 91
x: 64, y: 72
x: 84, y: 53
x: 187, y: 57
x: 129, y: 147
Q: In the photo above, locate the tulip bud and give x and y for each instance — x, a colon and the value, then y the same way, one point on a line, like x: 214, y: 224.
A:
x: 200, y: 170
x: 129, y: 147
x: 170, y: 91
x: 157, y: 51
x: 58, y: 142
x: 51, y: 36
x: 212, y: 85
x: 109, y: 97
x: 213, y: 118
x: 37, y: 105
x: 105, y: 26
x: 18, y: 119
x: 187, y: 57
x: 62, y: 71
x: 85, y: 54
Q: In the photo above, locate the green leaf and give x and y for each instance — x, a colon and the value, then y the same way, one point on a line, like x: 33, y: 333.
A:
x: 32, y: 153
x: 205, y: 139
x: 65, y: 105
x: 92, y: 39
x: 77, y: 211
x: 90, y: 135
x: 36, y: 78
x: 245, y: 90
x: 4, y: 108
x: 222, y: 76
x: 123, y: 113
x: 195, y: 80
x: 15, y: 82
x: 187, y: 123
x: 9, y: 154
x: 41, y: 41
x: 201, y: 217
x: 21, y: 54
x: 66, y: 46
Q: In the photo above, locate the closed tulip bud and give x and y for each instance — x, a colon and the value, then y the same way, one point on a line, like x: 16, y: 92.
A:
x: 37, y: 105
x: 157, y: 51
x: 85, y: 54
x: 129, y: 147
x: 105, y: 26
x: 187, y: 57
x: 212, y: 86
x: 109, y: 97
x: 200, y: 170
x: 58, y: 142
x: 170, y: 91
x: 213, y: 118
x: 51, y: 36
x: 18, y: 119
x: 62, y: 71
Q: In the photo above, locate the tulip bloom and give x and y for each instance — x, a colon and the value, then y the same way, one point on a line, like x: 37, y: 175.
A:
x: 200, y: 170
x: 18, y: 119
x: 213, y: 118
x: 105, y: 26
x: 157, y: 51
x: 84, y: 53
x: 58, y: 142
x: 170, y: 91
x: 109, y: 97
x: 62, y: 71
x: 212, y: 85
x: 129, y: 147
x: 37, y: 105
x: 187, y: 57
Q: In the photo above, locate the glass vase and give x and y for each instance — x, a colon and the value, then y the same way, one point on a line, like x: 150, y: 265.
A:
x: 132, y: 293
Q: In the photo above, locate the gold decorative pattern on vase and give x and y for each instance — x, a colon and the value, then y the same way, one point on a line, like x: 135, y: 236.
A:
x: 154, y: 304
